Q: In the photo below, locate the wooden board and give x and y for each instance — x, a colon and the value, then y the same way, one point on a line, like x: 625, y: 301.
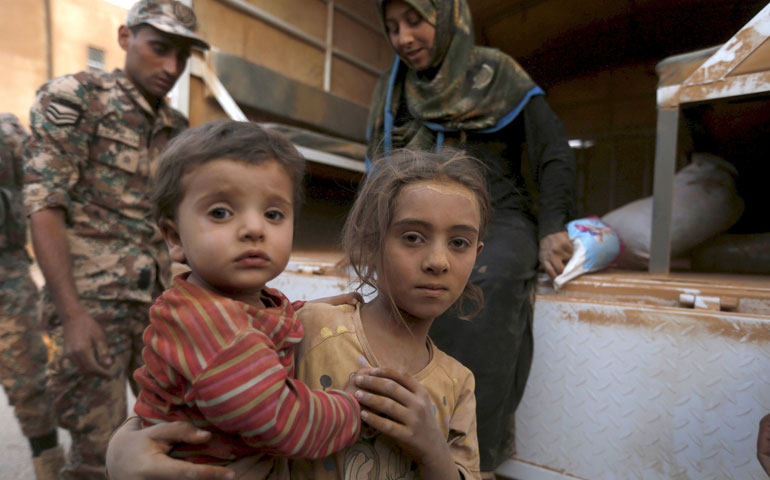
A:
x: 235, y: 32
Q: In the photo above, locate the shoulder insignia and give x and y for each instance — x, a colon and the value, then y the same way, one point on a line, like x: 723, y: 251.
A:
x: 62, y: 113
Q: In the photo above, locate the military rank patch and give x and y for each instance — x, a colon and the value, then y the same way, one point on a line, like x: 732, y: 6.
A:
x: 62, y: 114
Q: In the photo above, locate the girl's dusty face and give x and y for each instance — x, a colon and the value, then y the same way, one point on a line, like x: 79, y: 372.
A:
x: 411, y: 36
x: 430, y: 247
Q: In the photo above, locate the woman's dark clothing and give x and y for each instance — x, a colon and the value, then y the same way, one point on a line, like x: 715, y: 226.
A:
x: 497, y: 344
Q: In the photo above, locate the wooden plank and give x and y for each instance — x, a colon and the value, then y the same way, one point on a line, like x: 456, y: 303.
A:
x: 234, y: 32
x: 735, y: 51
x: 758, y: 61
x: 363, y: 43
x: 352, y: 83
x: 366, y: 10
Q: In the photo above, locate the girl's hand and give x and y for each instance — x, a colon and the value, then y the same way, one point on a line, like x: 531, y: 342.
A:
x: 134, y: 453
x: 397, y: 405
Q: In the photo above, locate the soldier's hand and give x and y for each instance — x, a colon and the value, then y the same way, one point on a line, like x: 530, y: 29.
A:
x: 86, y: 345
x: 142, y: 454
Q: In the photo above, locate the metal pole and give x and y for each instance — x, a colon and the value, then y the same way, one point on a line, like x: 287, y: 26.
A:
x: 48, y: 40
x: 329, y: 46
x: 663, y: 189
x: 180, y: 94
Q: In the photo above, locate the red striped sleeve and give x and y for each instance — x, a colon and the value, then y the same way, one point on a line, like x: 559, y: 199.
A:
x: 207, y: 361
x: 245, y: 390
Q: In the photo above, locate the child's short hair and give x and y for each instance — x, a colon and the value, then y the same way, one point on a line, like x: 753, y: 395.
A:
x: 363, y: 235
x: 221, y: 139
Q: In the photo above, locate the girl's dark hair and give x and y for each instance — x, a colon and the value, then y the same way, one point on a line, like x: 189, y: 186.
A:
x: 221, y: 139
x: 363, y: 235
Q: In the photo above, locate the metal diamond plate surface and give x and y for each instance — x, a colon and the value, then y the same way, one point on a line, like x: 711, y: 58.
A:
x: 631, y: 392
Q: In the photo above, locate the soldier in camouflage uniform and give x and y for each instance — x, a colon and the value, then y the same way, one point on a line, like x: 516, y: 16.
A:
x: 90, y: 159
x: 23, y: 355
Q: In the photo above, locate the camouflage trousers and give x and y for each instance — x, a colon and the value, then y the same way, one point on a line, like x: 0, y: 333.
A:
x: 23, y: 355
x: 89, y: 406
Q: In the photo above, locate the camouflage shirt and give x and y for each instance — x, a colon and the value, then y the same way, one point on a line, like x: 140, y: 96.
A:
x: 93, y: 151
x: 13, y: 228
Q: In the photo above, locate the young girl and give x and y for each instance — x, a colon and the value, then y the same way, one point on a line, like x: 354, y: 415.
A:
x: 443, y: 89
x: 413, y: 234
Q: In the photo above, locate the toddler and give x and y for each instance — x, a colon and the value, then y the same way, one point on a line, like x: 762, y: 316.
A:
x: 219, y: 350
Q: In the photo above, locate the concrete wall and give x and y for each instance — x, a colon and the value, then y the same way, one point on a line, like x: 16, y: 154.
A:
x: 22, y: 54
x: 75, y: 26
x: 79, y: 24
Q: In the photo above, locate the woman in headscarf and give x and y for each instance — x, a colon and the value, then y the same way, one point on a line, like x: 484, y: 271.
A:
x: 444, y: 90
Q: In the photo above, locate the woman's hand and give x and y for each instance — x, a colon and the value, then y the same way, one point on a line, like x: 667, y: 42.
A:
x: 397, y: 405
x: 142, y: 454
x: 555, y: 252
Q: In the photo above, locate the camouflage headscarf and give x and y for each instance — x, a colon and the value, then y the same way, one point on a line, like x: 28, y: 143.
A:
x: 474, y: 88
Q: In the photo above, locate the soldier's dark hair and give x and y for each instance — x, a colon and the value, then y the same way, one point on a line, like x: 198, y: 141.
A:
x: 363, y: 235
x: 221, y: 139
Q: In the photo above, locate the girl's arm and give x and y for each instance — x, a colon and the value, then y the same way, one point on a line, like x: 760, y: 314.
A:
x: 399, y: 406
x: 136, y: 454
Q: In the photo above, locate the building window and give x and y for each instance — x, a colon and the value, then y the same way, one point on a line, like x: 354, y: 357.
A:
x: 95, y: 59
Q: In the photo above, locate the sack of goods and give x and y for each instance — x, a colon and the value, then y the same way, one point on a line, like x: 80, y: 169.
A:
x: 705, y: 204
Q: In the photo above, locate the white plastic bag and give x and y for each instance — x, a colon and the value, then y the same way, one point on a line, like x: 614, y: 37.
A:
x: 595, y: 246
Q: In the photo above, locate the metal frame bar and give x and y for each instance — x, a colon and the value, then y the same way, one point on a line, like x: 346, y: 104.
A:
x: 180, y: 93
x: 663, y: 188
x: 200, y: 68
x: 713, y: 79
x: 329, y: 47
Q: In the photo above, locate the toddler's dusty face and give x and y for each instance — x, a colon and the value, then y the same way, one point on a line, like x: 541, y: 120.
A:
x: 234, y: 226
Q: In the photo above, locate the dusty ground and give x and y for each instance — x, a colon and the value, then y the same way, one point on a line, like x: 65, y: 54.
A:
x: 15, y: 463
x: 14, y: 449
